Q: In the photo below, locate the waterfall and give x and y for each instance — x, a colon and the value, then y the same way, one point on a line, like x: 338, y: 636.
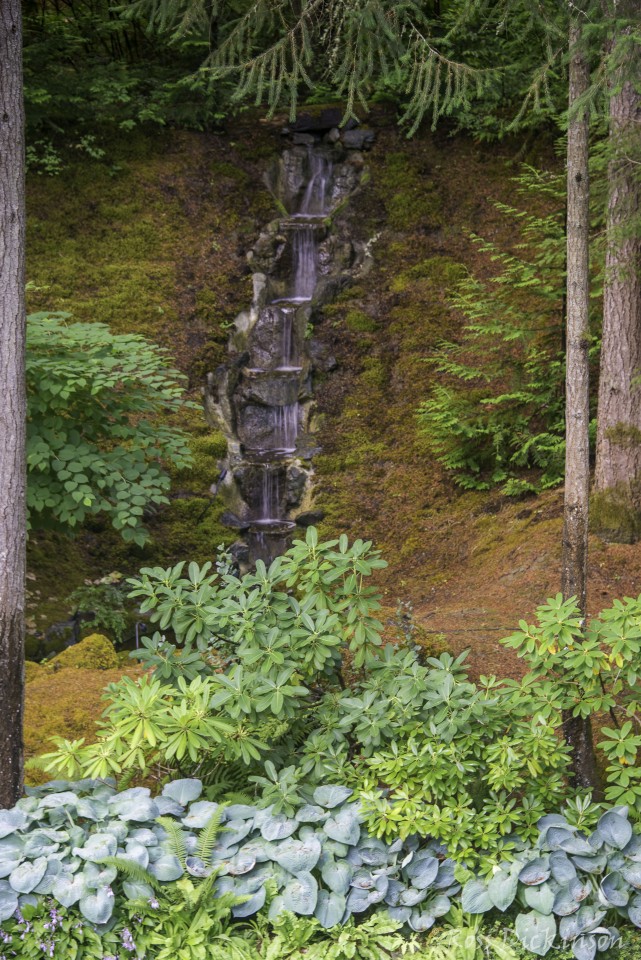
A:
x: 305, y: 261
x: 288, y: 353
x: 263, y: 396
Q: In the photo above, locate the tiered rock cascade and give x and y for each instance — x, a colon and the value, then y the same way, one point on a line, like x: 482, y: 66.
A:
x: 262, y: 398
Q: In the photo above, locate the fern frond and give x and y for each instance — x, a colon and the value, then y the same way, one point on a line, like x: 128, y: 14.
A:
x: 209, y: 835
x: 132, y: 870
x: 177, y: 842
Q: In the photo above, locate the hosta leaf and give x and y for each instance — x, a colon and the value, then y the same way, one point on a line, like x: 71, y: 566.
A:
x: 564, y: 903
x: 68, y: 889
x: 475, y: 897
x: 239, y: 811
x: 97, y: 847
x: 11, y: 821
x: 344, y: 827
x: 615, y: 829
x: 615, y: 889
x: 337, y: 876
x: 166, y: 868
x: 400, y: 914
x: 420, y: 922
x: 330, y: 797
x: 411, y: 897
x: 540, y: 898
x: 535, y: 872
x: 95, y: 876
x: 594, y: 864
x: 240, y: 864
x: 137, y: 890
x: 632, y: 873
x: 11, y: 848
x: 502, y: 887
x: 300, y: 894
x: 54, y: 869
x: 141, y: 810
x: 422, y: 872
x: 97, y: 907
x: 330, y: 908
x: 584, y: 948
x: 28, y: 875
x: 298, y: 855
x: 8, y: 901
x: 252, y: 905
x: 634, y: 911
x: 536, y: 932
x: 359, y: 900
x: 183, y: 791
x: 197, y: 867
x: 278, y: 827
x: 563, y: 870
x: 309, y: 813
x: 200, y: 814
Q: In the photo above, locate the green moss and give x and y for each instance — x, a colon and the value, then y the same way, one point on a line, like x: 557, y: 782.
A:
x: 32, y: 671
x: 615, y: 515
x: 359, y: 322
x: 412, y: 201
x: 95, y: 652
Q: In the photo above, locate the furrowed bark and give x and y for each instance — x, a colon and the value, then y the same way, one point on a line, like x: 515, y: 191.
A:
x: 13, y: 405
x: 577, y: 730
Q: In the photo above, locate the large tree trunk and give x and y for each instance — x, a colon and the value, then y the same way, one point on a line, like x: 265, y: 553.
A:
x: 13, y: 404
x: 577, y: 387
x: 617, y: 500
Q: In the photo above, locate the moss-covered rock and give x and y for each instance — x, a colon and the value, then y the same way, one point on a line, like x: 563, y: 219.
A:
x: 95, y: 652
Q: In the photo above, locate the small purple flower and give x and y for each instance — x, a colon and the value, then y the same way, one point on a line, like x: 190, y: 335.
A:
x: 127, y: 940
x: 153, y: 903
x: 5, y: 937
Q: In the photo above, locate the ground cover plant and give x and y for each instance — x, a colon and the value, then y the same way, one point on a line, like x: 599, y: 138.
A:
x: 303, y: 769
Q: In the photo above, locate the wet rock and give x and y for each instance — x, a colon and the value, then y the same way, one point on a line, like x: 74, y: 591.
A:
x: 271, y: 389
x: 359, y: 139
x: 303, y: 139
x: 240, y: 553
x: 334, y: 135
x: 229, y: 519
x: 297, y: 480
x: 311, y: 518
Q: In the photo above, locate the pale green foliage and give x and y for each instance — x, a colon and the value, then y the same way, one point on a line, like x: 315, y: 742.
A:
x: 470, y: 765
x: 96, y: 443
x: 586, y: 671
x: 303, y: 938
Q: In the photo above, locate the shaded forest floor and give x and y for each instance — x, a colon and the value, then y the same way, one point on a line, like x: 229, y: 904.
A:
x: 156, y: 242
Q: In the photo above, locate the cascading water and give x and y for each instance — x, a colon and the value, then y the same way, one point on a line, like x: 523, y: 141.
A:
x: 262, y: 398
x: 304, y: 238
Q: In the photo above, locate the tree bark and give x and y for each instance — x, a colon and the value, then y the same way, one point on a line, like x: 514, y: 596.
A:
x: 577, y: 730
x: 13, y: 405
x: 618, y: 452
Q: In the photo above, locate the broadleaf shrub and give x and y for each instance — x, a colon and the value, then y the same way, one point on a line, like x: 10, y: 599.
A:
x: 95, y: 440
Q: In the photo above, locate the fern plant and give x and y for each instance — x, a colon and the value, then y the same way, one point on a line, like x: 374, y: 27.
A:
x: 496, y: 414
x: 184, y: 920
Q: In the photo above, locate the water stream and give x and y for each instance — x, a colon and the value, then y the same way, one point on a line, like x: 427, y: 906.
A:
x: 304, y: 229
